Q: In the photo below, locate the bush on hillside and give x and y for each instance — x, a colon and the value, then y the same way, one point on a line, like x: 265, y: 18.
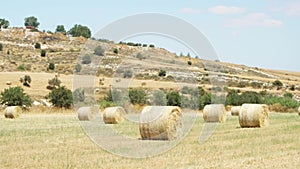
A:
x: 61, y: 97
x: 14, y: 96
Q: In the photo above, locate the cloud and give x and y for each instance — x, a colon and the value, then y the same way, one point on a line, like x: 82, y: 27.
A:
x: 191, y: 10
x: 254, y: 19
x: 290, y: 9
x: 223, y: 10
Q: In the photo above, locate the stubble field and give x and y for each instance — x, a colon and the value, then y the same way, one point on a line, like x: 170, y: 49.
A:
x: 58, y: 141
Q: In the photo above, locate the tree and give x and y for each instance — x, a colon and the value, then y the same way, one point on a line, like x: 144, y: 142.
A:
x: 189, y: 62
x: 99, y: 51
x: 87, y: 59
x: 60, y: 29
x: 173, y: 99
x: 43, y: 53
x: 116, y: 51
x: 162, y: 73
x: 137, y: 96
x: 37, y: 45
x: 14, y: 96
x: 32, y: 22
x: 51, y: 66
x: 79, y: 30
x: 61, y: 97
x: 4, y: 23
x: 26, y: 80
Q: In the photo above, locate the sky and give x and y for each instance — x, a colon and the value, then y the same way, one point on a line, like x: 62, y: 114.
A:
x: 261, y: 33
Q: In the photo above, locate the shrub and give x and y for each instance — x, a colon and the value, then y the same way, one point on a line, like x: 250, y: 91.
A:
x: 43, y: 53
x: 37, y: 45
x: 14, y: 96
x: 140, y: 56
x: 251, y: 97
x: 105, y: 103
x: 145, y: 45
x: 127, y: 73
x: 1, y: 47
x: 53, y: 83
x: 277, y: 84
x: 21, y: 67
x: 61, y: 97
x: 162, y: 73
x: 233, y: 98
x: 87, y: 59
x: 114, y: 96
x: 288, y: 95
x: 256, y: 85
x: 26, y: 80
x: 189, y: 62
x: 173, y: 99
x: 51, y: 66
x: 78, y: 95
x: 137, y: 96
x: 159, y: 98
x: 292, y: 88
x: 205, y: 100
x: 78, y: 68
x: 116, y: 51
x: 99, y: 51
x: 151, y: 46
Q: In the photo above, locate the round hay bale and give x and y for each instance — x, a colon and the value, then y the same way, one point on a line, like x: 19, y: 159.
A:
x: 214, y: 113
x: 235, y: 110
x: 161, y: 123
x: 12, y: 112
x: 254, y: 115
x: 113, y: 115
x: 87, y: 113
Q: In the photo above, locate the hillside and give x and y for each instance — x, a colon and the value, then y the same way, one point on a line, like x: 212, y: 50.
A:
x: 19, y: 57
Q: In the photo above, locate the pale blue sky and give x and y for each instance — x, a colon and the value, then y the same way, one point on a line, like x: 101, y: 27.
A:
x: 255, y: 33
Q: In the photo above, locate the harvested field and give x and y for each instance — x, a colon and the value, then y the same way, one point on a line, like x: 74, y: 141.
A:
x: 58, y: 141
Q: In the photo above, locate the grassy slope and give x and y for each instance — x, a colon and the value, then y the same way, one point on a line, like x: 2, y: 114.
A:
x: 57, y: 141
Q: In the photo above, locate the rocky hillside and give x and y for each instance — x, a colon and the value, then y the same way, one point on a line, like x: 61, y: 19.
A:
x: 21, y: 52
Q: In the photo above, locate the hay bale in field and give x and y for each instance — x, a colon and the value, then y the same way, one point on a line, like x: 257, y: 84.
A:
x: 160, y: 123
x: 214, y: 113
x: 235, y: 110
x: 8, y: 83
x: 12, y: 112
x: 254, y: 115
x: 87, y: 113
x: 113, y: 115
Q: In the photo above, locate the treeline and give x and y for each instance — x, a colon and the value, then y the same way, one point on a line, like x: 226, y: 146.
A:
x: 197, y: 98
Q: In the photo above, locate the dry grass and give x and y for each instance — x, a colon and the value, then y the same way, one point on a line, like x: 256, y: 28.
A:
x: 57, y: 141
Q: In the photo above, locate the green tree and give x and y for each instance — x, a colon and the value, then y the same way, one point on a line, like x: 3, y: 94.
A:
x: 37, y: 45
x: 14, y: 96
x: 79, y: 30
x: 99, y: 50
x: 173, y: 99
x: 60, y: 29
x: 4, y: 23
x: 31, y: 21
x: 43, y: 53
x: 251, y: 97
x: 26, y: 80
x: 51, y: 66
x: 137, y: 96
x: 61, y: 97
